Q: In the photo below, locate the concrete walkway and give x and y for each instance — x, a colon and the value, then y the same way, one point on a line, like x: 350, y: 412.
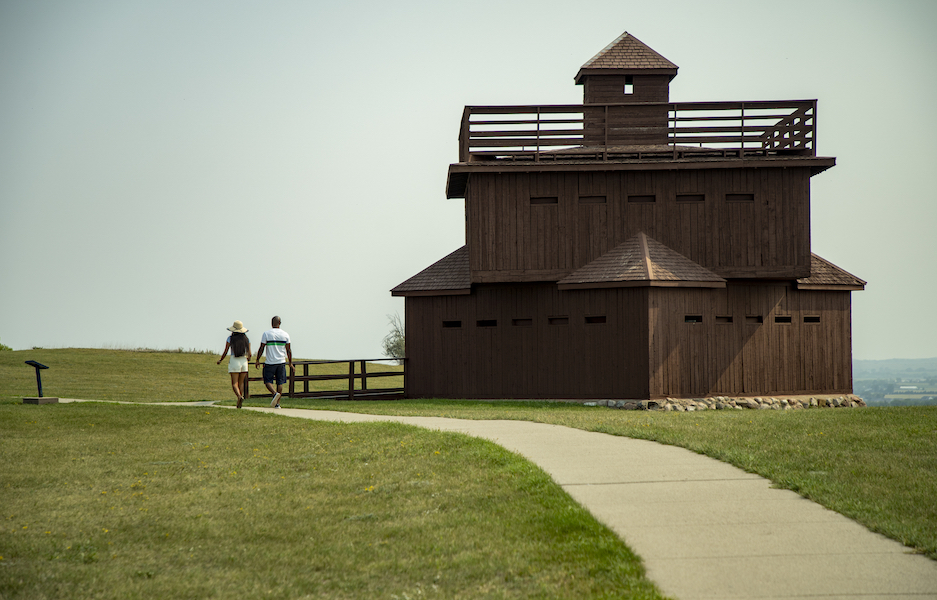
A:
x: 705, y: 530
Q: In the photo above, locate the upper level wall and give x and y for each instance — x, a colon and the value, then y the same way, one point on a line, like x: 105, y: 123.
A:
x: 748, y: 222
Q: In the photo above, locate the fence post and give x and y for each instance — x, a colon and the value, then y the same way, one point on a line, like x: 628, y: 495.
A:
x: 364, y: 376
x: 351, y: 380
x: 292, y: 381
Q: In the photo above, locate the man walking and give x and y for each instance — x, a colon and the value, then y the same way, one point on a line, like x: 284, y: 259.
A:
x: 278, y: 354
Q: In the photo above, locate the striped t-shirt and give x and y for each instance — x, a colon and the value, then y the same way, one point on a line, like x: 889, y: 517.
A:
x: 275, y: 350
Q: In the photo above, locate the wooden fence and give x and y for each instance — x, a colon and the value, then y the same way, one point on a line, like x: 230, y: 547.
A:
x: 557, y: 131
x: 302, y: 384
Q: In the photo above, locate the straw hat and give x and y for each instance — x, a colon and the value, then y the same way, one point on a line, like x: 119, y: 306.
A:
x: 238, y: 327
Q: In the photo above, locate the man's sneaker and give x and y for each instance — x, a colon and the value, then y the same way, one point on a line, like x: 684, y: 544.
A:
x: 277, y: 406
x: 276, y: 400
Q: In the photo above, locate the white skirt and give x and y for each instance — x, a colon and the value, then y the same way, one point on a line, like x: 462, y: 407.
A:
x: 237, y: 364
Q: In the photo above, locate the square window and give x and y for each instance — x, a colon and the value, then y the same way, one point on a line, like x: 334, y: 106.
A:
x: 558, y: 320
x: 451, y: 324
x: 693, y: 319
x: 691, y: 197
x: 486, y: 323
x: 782, y: 319
x: 812, y: 319
x: 544, y: 200
x: 723, y: 320
x: 740, y: 197
x: 598, y: 320
x: 754, y: 319
x: 629, y: 85
x: 522, y: 322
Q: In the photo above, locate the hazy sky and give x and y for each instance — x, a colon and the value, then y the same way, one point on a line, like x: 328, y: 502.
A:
x: 167, y: 167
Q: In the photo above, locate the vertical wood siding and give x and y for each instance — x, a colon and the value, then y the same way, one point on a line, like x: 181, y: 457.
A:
x: 539, y: 360
x: 713, y: 358
x: 768, y: 236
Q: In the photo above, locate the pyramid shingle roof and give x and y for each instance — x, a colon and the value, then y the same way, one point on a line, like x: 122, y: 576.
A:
x: 626, y: 54
x: 641, y: 261
x: 447, y: 276
x: 824, y: 275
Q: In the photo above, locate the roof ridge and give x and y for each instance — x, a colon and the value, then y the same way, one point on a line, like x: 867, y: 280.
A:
x: 628, y: 52
x: 641, y: 260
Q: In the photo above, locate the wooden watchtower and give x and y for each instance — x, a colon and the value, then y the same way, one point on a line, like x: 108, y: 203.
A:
x: 632, y: 247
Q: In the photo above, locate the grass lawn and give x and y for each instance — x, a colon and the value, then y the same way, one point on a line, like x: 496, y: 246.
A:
x: 875, y: 465
x: 137, y: 501
x: 148, y: 376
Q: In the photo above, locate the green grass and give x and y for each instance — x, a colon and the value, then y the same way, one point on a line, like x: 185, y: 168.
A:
x: 136, y: 501
x: 147, y: 376
x: 877, y: 466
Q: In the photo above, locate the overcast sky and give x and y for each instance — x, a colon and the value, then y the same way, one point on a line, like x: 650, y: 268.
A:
x: 167, y: 167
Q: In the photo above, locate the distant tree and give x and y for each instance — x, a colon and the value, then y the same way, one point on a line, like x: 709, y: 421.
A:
x: 4, y: 347
x: 394, y: 342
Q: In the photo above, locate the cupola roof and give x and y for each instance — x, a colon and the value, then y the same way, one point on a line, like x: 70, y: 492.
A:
x: 626, y: 55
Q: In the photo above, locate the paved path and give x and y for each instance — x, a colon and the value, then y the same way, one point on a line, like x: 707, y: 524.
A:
x: 705, y: 529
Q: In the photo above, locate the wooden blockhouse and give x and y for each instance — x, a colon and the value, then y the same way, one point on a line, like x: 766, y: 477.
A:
x: 631, y: 247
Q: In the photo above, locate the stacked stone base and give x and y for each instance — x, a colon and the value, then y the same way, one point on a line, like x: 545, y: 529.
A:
x: 735, y: 403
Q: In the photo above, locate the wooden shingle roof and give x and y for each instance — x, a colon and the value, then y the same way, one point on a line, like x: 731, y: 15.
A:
x: 446, y: 277
x: 627, y: 54
x: 824, y: 275
x: 641, y: 261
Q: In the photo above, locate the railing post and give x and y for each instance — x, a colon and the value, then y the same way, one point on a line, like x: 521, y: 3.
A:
x: 351, y: 380
x: 305, y: 375
x: 537, y: 151
x: 364, y: 376
x: 292, y: 381
x: 465, y: 135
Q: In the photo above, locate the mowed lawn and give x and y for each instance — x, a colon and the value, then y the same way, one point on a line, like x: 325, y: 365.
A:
x: 875, y: 465
x: 141, y: 501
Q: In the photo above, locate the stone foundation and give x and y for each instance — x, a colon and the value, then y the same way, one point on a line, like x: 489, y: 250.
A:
x: 735, y: 403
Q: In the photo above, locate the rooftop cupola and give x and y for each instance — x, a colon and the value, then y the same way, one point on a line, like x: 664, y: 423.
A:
x: 626, y: 72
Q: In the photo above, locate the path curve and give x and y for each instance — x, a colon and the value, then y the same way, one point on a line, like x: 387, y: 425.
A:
x: 705, y: 530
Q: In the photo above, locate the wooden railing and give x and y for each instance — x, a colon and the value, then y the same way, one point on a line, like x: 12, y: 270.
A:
x: 558, y: 131
x: 302, y: 384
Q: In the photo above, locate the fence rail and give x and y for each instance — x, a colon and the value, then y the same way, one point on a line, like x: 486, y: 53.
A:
x: 559, y: 131
x: 302, y: 383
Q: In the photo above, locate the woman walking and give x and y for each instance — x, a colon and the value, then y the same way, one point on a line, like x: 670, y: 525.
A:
x: 240, y: 357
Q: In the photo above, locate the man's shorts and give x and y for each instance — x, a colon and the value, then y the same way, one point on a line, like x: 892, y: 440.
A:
x: 275, y: 373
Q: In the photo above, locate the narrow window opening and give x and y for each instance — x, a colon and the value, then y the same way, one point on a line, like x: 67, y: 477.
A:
x: 723, y: 319
x: 598, y: 320
x: 451, y: 324
x: 814, y: 319
x: 693, y: 319
x: 486, y: 323
x: 558, y: 320
x: 754, y: 319
x: 544, y: 200
x: 782, y: 319
x: 591, y: 199
x: 522, y: 322
x: 740, y: 197
x: 629, y: 85
x: 642, y: 198
x: 691, y: 197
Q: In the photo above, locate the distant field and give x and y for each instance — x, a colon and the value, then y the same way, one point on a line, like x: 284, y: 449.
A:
x: 145, y: 376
